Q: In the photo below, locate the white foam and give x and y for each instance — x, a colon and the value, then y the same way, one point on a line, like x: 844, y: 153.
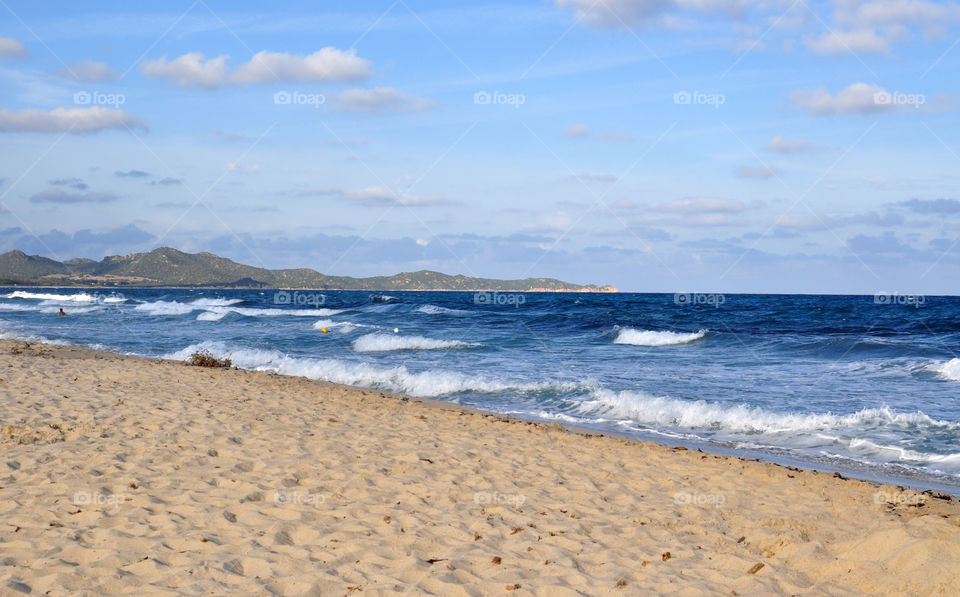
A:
x: 46, y: 307
x: 215, y: 302
x: 438, y: 310
x: 377, y: 342
x: 211, y: 316
x: 178, y: 308
x: 344, y: 327
x: 652, y: 338
x: 165, y: 308
x: 713, y: 416
x: 81, y: 297
x: 430, y: 383
x: 885, y: 453
x: 12, y: 335
x: 949, y: 370
x: 251, y: 312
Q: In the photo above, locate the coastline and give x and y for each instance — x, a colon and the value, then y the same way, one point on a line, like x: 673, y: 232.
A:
x: 306, y: 289
x: 126, y: 474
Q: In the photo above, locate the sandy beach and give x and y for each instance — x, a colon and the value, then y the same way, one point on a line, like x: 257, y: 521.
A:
x: 123, y: 475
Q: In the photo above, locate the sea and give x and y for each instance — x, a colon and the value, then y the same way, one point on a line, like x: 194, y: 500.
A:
x: 868, y: 386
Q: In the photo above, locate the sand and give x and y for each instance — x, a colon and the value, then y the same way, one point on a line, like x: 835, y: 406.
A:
x: 121, y: 475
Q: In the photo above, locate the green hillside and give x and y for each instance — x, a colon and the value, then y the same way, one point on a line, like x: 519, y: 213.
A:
x: 170, y: 267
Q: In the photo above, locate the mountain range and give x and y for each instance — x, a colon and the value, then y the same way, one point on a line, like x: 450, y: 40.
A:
x: 169, y: 267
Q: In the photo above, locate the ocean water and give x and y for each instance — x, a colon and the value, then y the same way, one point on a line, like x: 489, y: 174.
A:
x: 864, y: 384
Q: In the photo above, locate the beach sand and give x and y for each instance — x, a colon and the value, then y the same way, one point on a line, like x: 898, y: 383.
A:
x: 122, y: 475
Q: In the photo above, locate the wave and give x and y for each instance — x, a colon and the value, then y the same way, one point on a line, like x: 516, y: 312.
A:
x: 13, y: 335
x: 427, y: 384
x: 178, y: 308
x: 888, y: 453
x: 949, y: 370
x: 212, y: 316
x: 345, y: 327
x: 165, y: 308
x: 382, y: 298
x: 437, y: 310
x: 652, y: 338
x: 80, y: 297
x: 46, y: 307
x: 215, y: 302
x: 712, y: 416
x: 383, y: 342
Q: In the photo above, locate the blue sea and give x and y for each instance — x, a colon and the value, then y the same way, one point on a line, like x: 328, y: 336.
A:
x: 868, y: 385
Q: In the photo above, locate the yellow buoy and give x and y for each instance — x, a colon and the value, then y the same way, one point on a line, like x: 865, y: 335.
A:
x: 324, y: 330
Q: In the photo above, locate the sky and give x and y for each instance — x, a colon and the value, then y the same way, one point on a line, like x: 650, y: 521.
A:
x: 656, y: 145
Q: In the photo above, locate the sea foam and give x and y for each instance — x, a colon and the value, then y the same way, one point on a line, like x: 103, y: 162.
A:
x: 430, y: 383
x: 80, y: 297
x: 377, y: 342
x: 949, y: 370
x: 178, y: 308
x: 653, y: 338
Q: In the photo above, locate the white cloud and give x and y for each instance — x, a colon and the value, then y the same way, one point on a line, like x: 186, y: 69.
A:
x: 842, y: 42
x: 381, y: 99
x: 243, y: 168
x: 930, y: 15
x: 73, y: 120
x: 88, y: 70
x: 858, y: 98
x: 781, y: 144
x: 194, y: 69
x: 576, y: 130
x: 326, y: 64
x: 12, y: 47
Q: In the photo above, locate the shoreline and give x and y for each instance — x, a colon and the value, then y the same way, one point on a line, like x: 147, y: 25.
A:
x: 127, y: 473
x: 283, y: 288
x: 864, y: 472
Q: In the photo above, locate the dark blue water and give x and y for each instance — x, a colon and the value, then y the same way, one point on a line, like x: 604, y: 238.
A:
x: 861, y: 383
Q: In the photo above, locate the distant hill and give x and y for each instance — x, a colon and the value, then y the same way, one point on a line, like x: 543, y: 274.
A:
x: 170, y: 267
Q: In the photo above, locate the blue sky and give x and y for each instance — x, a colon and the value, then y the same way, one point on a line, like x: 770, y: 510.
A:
x: 656, y: 145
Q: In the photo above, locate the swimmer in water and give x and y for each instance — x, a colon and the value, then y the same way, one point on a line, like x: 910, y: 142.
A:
x: 62, y: 312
